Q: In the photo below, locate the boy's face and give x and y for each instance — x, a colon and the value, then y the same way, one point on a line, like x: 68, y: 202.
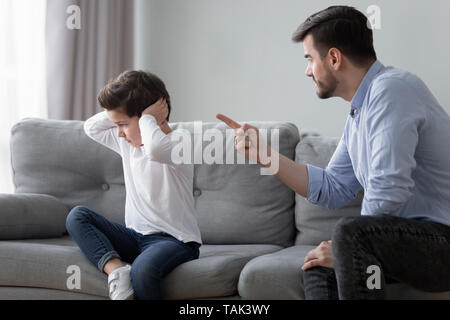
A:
x: 128, y: 128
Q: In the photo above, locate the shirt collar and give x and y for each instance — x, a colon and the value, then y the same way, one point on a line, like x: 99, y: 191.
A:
x: 360, y: 94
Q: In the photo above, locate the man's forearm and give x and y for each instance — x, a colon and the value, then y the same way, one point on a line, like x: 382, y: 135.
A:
x: 293, y: 174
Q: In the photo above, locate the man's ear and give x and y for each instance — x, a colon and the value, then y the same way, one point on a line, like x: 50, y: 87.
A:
x: 335, y: 58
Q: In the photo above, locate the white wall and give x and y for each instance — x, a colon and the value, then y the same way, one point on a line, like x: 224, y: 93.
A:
x: 236, y: 56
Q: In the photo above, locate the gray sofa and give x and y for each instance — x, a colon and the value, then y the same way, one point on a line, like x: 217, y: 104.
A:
x: 256, y: 232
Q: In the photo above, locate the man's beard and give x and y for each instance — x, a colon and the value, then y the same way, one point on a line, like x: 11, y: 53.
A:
x: 326, y: 90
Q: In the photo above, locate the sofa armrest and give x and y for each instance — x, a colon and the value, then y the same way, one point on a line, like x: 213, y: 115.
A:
x: 31, y: 216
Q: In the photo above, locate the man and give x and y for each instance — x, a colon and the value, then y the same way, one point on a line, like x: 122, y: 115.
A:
x: 395, y: 146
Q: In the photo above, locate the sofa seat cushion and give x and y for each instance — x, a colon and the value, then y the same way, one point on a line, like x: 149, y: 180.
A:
x: 279, y: 275
x: 43, y: 263
x: 274, y: 276
x: 215, y: 273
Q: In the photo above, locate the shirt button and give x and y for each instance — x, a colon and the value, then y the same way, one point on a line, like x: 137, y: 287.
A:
x: 197, y: 192
x: 105, y: 187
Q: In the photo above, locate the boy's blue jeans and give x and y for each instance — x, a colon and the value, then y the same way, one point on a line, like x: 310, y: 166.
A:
x: 151, y: 257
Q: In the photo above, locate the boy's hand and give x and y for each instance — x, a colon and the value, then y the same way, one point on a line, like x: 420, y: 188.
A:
x: 160, y: 110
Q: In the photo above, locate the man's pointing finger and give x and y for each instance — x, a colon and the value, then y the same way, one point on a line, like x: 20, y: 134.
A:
x: 231, y: 123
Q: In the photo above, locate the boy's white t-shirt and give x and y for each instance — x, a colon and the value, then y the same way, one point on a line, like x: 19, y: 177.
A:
x: 158, y: 192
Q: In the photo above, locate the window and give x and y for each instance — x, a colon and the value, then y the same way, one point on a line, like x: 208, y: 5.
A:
x: 22, y: 75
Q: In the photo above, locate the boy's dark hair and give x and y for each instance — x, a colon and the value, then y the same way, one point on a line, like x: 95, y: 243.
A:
x: 341, y: 27
x: 132, y: 92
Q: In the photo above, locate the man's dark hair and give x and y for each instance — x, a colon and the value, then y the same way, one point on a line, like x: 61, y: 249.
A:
x: 341, y: 27
x: 132, y: 92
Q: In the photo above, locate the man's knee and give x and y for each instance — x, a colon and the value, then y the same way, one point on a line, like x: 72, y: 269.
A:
x: 347, y: 228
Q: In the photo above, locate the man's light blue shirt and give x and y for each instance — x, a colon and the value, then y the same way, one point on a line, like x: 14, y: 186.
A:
x: 395, y: 146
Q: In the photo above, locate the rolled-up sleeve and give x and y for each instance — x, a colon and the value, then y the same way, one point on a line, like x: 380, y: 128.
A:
x: 335, y: 185
x: 315, y: 181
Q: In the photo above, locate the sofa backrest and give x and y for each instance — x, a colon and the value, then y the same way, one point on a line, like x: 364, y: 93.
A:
x: 315, y: 223
x: 235, y: 203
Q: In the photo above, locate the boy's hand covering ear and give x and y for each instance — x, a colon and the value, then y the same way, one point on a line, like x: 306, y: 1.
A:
x: 160, y: 110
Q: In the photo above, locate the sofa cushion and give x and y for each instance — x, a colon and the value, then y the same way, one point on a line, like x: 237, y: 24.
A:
x: 274, y: 276
x: 55, y: 157
x: 44, y: 263
x: 27, y: 216
x: 215, y: 273
x: 315, y: 223
x: 235, y: 203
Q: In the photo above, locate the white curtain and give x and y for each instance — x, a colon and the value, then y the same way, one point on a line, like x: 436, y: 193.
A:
x: 22, y: 72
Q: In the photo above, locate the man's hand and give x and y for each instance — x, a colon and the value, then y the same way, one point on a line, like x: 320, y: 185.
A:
x: 247, y: 140
x: 291, y: 173
x: 320, y: 256
x: 160, y: 110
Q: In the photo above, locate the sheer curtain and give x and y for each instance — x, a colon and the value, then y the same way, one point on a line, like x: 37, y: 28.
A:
x: 22, y: 72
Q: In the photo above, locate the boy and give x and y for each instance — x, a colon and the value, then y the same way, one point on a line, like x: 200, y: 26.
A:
x: 161, y: 229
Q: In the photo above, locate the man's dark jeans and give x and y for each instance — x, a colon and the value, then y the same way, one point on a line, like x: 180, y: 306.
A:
x: 414, y: 252
x: 151, y: 256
